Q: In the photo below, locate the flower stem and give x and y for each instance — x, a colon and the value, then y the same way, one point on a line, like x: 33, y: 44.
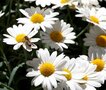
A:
x: 83, y: 31
x: 5, y: 60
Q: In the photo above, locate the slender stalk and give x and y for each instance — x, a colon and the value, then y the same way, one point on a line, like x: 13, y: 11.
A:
x: 25, y: 54
x: 5, y: 60
x: 18, y: 5
x: 10, y: 7
x: 83, y: 31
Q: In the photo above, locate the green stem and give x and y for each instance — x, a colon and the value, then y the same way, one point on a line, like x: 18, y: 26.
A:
x: 83, y: 31
x: 18, y: 5
x: 10, y: 7
x: 25, y: 54
x: 69, y: 17
x: 5, y: 61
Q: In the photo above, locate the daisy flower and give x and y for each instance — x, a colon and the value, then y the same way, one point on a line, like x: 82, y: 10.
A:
x: 90, y: 79
x: 42, y: 3
x: 99, y: 60
x: 60, y: 34
x: 73, y: 76
x: 96, y: 16
x: 21, y: 35
x: 97, y: 39
x: 1, y: 14
x: 49, y: 70
x: 62, y: 3
x: 36, y: 17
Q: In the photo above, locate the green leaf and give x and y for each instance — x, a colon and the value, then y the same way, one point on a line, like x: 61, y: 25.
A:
x: 1, y: 64
x: 5, y: 87
x: 14, y: 72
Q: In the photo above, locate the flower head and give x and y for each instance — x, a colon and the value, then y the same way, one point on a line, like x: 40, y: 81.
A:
x: 49, y: 70
x: 98, y: 59
x: 73, y: 75
x: 60, y: 34
x: 21, y: 35
x: 36, y: 18
x: 97, y: 39
x: 62, y: 3
x: 96, y: 16
x: 90, y: 79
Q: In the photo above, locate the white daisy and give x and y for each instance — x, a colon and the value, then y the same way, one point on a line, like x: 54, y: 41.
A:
x: 21, y: 35
x: 73, y: 75
x: 36, y: 18
x: 98, y: 59
x: 60, y: 34
x: 91, y: 79
x: 97, y: 39
x: 61, y: 3
x: 1, y: 13
x: 96, y: 16
x: 49, y: 71
x: 42, y: 3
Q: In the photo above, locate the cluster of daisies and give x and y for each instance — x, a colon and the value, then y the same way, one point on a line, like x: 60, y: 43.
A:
x: 56, y: 71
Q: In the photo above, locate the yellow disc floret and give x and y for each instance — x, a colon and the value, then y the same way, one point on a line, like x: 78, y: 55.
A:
x: 94, y: 19
x: 64, y: 1
x: 37, y: 18
x: 20, y: 38
x: 68, y: 75
x: 100, y: 64
x: 101, y: 40
x: 56, y: 36
x: 47, y: 69
x: 85, y: 77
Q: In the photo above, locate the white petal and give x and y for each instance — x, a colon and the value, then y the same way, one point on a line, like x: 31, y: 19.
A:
x: 49, y: 86
x: 17, y: 46
x: 94, y: 83
x: 24, y: 12
x: 34, y: 39
x: 90, y: 88
x: 59, y: 77
x: 32, y: 73
x: 43, y: 54
x: 9, y: 41
x: 53, y: 81
x: 53, y: 55
x: 38, y: 80
x: 59, y: 58
x: 24, y: 20
x: 31, y: 34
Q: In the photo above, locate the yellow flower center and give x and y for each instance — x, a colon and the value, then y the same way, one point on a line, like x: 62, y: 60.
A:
x: 85, y: 77
x: 47, y: 69
x: 94, y: 19
x: 20, y: 38
x: 101, y: 40
x: 56, y: 36
x: 64, y: 1
x: 69, y: 75
x: 100, y: 64
x: 37, y: 18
